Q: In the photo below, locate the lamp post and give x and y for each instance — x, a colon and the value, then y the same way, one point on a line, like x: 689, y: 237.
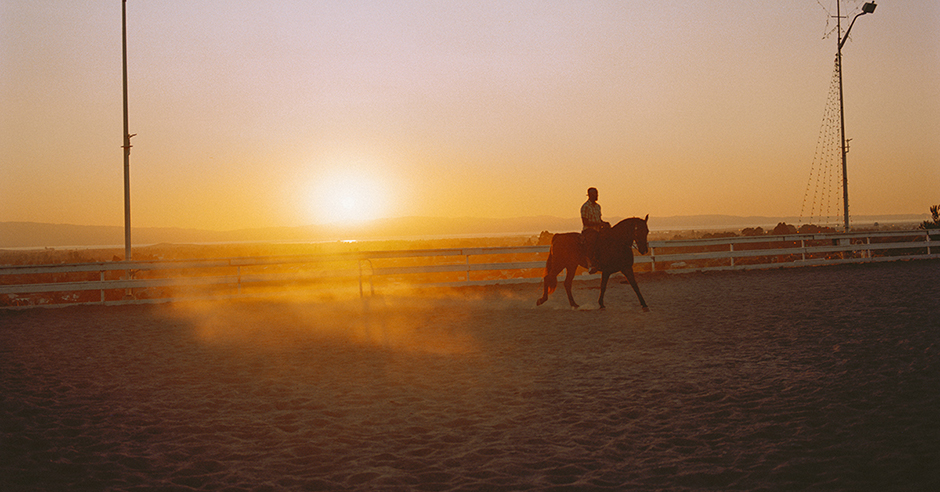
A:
x: 127, y: 140
x: 867, y: 8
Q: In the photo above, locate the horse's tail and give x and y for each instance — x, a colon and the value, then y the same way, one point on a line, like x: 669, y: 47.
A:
x: 551, y: 281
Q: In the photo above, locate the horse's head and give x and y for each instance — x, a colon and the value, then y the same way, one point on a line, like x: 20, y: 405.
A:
x: 631, y: 230
x: 640, y: 232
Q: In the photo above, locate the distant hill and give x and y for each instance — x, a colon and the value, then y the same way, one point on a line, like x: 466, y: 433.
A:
x: 40, y: 235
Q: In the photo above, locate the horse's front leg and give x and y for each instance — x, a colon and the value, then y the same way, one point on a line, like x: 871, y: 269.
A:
x: 569, y: 280
x: 628, y: 272
x: 604, y: 277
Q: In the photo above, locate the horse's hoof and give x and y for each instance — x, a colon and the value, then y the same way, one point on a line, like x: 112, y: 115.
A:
x: 646, y: 309
x: 539, y: 302
x: 602, y: 307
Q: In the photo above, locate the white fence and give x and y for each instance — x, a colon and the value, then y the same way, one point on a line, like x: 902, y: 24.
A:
x: 740, y: 253
x: 162, y: 281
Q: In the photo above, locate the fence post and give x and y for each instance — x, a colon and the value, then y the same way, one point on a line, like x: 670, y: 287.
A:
x: 652, y: 259
x: 732, y: 254
x: 128, y: 292
x: 359, y: 263
x: 371, y: 273
x: 101, y: 278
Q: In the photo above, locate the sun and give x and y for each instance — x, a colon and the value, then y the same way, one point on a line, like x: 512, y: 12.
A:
x: 347, y: 197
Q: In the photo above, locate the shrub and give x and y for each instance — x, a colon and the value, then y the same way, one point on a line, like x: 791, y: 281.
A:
x: 935, y: 223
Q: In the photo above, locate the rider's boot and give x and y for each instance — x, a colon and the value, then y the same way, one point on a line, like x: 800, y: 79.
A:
x: 593, y: 264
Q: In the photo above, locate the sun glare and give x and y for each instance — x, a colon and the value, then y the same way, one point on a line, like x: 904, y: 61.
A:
x: 349, y: 197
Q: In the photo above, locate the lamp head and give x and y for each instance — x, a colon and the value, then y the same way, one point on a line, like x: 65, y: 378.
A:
x: 868, y: 8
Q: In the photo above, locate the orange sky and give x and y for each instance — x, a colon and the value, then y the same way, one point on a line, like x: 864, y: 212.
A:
x: 253, y: 114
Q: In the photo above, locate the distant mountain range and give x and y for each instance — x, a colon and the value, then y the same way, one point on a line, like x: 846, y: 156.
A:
x: 40, y: 235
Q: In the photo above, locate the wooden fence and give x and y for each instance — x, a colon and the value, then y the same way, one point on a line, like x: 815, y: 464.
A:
x: 162, y: 281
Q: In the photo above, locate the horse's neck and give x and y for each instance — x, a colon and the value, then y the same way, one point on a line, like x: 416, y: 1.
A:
x: 624, y: 229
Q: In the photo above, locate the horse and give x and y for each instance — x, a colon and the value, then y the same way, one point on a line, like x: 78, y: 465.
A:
x: 614, y: 254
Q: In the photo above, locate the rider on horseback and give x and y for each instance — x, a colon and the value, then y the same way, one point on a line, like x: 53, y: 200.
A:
x: 593, y: 223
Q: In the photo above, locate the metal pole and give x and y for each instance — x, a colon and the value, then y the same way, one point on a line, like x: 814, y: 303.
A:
x: 868, y: 8
x: 127, y: 140
x: 845, y: 178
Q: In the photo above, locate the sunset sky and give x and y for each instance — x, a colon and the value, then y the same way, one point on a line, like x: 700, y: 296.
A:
x: 253, y: 114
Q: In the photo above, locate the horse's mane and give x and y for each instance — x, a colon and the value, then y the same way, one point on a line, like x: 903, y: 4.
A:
x: 625, y: 229
x: 624, y: 222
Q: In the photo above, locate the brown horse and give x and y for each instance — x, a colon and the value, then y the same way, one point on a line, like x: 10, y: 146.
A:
x: 614, y: 254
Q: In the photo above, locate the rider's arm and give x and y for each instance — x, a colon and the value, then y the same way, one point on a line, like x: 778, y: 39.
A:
x: 587, y: 222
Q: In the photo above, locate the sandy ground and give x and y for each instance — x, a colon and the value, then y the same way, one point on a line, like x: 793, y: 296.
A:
x: 811, y: 378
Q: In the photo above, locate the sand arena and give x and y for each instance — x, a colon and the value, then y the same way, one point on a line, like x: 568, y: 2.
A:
x: 809, y: 378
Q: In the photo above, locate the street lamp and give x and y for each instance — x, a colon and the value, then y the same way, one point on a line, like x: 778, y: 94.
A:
x: 867, y: 8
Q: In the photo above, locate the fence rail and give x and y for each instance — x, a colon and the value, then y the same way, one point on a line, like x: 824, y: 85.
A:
x: 163, y: 281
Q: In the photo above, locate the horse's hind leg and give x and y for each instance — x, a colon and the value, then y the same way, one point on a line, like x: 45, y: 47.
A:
x: 569, y: 280
x: 549, y: 281
x: 628, y: 272
x: 604, y: 278
x: 544, y: 292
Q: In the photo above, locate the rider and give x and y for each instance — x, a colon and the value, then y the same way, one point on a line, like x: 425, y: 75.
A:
x: 593, y: 223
